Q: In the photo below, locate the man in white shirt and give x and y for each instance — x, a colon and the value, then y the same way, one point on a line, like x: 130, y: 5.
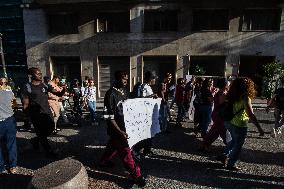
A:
x: 7, y: 131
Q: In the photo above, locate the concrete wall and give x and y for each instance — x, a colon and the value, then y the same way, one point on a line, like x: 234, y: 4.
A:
x: 88, y: 44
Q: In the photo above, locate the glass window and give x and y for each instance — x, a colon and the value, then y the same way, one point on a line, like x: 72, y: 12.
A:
x: 160, y: 21
x: 261, y: 19
x: 204, y: 19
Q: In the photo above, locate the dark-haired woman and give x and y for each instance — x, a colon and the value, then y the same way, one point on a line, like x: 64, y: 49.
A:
x: 218, y: 128
x: 240, y: 94
x: 205, y: 108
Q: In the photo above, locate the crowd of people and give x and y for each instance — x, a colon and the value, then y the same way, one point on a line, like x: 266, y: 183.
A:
x: 217, y: 108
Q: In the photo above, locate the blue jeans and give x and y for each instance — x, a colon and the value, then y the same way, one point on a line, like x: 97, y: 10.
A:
x: 8, y: 137
x: 163, y: 118
x: 181, y: 112
x: 205, y: 112
x: 234, y: 147
x: 92, y: 109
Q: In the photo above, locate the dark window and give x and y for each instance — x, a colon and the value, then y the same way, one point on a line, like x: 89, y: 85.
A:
x: 261, y: 19
x: 210, y: 19
x: 63, y: 23
x: 207, y: 65
x: 114, y: 22
x: 160, y: 21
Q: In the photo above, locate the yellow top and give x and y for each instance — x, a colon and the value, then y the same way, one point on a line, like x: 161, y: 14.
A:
x: 240, y: 119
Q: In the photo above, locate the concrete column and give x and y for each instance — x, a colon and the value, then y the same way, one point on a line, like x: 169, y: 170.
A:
x: 136, y: 20
x: 139, y: 68
x: 36, y: 37
x: 180, y: 66
x: 282, y: 18
x: 133, y: 71
x: 232, y: 65
x: 185, y: 19
x: 87, y: 31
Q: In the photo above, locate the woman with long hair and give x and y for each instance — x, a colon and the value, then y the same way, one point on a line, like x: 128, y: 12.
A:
x: 240, y: 95
x: 218, y: 128
x: 205, y: 107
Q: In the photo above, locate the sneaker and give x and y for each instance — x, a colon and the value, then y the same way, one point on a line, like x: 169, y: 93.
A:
x: 140, y: 181
x: 13, y: 170
x: 273, y: 133
x: 2, y: 173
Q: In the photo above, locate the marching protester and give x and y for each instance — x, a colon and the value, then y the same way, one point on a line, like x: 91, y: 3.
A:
x: 7, y: 129
x: 168, y: 83
x: 36, y: 106
x: 146, y: 91
x: 196, y: 103
x: 278, y: 101
x: 54, y: 98
x: 188, y: 92
x: 218, y: 128
x: 163, y: 117
x: 179, y: 96
x: 240, y: 95
x: 205, y: 107
x: 4, y: 84
x: 90, y: 96
x: 77, y: 94
x: 116, y: 129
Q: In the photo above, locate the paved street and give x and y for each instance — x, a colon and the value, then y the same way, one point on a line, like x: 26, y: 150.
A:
x: 177, y: 163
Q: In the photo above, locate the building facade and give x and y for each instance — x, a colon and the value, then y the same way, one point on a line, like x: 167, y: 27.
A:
x: 79, y: 38
x: 13, y: 37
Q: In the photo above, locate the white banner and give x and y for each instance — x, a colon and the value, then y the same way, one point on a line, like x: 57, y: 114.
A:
x: 141, y: 118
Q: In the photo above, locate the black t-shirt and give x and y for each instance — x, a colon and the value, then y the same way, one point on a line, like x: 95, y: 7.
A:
x: 38, y: 98
x: 279, y: 98
x: 205, y: 95
x: 114, y: 110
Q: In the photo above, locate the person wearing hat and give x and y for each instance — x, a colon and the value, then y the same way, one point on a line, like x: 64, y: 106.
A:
x: 146, y: 91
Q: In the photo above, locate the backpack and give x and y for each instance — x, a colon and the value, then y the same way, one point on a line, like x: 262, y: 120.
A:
x: 226, y: 111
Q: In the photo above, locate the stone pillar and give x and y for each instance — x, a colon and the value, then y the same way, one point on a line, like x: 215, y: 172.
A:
x: 234, y: 45
x: 36, y: 36
x: 63, y: 174
x: 87, y: 53
x: 180, y: 66
x: 133, y: 71
x: 139, y: 68
x: 232, y: 65
x: 282, y: 18
x: 136, y: 20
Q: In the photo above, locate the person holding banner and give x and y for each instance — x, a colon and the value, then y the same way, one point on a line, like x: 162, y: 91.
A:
x: 116, y: 129
x: 146, y: 92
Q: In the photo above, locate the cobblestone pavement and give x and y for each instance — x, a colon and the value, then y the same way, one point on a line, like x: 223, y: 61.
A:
x: 177, y: 163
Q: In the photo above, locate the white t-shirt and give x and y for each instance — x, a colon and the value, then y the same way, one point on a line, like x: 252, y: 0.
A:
x: 6, y: 110
x: 90, y: 93
x: 147, y: 90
